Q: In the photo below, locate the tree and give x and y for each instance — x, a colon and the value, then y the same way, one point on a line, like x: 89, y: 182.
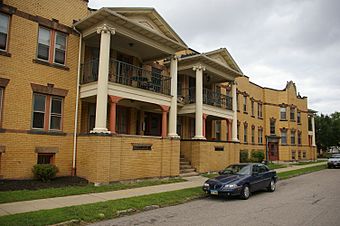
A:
x: 327, y: 130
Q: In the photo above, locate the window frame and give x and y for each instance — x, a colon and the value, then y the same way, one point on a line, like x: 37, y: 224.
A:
x: 7, y: 34
x: 48, y: 113
x: 244, y: 103
x: 284, y: 141
x: 298, y: 117
x: 259, y: 110
x: 253, y: 134
x: 2, y: 94
x: 33, y: 111
x: 292, y: 114
x: 292, y: 137
x: 51, y: 155
x: 260, y: 136
x: 283, y: 113
x: 245, y: 134
x: 52, y: 46
x: 252, y: 108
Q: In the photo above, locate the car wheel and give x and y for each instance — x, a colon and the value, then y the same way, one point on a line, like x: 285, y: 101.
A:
x: 272, y: 186
x: 330, y: 166
x: 245, y: 193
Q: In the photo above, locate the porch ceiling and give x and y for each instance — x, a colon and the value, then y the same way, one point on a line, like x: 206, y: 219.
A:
x: 153, y: 45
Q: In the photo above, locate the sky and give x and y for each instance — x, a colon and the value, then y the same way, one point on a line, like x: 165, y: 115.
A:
x: 272, y: 41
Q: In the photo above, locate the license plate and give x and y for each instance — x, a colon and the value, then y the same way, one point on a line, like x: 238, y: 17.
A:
x: 214, y: 192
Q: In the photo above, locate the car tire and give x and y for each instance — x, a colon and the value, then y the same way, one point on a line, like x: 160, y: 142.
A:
x: 272, y: 186
x: 245, y: 192
x: 330, y: 166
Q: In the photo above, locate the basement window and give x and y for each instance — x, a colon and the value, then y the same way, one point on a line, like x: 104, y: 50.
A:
x: 45, y: 158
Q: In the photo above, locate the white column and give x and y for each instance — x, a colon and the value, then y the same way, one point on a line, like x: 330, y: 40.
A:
x: 103, y: 73
x: 234, y: 130
x: 313, y: 129
x: 173, y: 107
x: 199, y: 103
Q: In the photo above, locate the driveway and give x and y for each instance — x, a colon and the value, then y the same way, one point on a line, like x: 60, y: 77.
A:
x: 312, y: 199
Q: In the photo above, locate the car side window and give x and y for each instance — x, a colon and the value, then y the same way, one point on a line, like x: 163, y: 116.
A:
x: 255, y: 169
x: 262, y: 169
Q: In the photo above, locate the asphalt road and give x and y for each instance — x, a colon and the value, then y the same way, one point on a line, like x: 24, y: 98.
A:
x: 312, y: 199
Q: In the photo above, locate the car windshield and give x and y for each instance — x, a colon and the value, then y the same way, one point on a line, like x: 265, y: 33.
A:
x: 238, y: 169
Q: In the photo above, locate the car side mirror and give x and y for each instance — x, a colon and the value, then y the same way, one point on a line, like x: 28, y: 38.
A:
x: 220, y: 172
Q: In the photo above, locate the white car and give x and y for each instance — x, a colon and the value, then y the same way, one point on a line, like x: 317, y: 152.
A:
x: 334, y: 161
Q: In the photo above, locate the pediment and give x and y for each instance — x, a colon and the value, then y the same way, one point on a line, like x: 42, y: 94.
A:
x: 224, y: 57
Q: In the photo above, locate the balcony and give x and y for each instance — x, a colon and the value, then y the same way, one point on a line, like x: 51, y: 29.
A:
x: 129, y: 75
x: 187, y: 96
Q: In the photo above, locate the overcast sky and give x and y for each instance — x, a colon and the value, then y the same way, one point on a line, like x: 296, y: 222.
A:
x: 272, y: 41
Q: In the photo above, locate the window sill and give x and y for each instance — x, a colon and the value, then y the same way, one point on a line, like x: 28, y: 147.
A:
x: 245, y: 112
x: 260, y: 118
x: 299, y: 123
x: 253, y: 116
x: 4, y: 53
x: 283, y: 120
x: 37, y: 61
x: 43, y: 132
x: 292, y: 120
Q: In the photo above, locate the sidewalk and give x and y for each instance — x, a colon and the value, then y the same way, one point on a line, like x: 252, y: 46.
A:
x: 52, y: 203
x: 290, y: 167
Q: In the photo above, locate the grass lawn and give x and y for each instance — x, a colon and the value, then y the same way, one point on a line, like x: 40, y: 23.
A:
x: 102, y: 210
x: 276, y: 166
x: 294, y: 173
x: 24, y: 195
x: 307, y: 163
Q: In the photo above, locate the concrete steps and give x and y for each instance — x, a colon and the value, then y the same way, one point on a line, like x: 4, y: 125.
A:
x: 185, y: 168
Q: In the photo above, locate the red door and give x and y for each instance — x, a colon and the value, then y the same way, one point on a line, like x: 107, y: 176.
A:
x: 273, y: 152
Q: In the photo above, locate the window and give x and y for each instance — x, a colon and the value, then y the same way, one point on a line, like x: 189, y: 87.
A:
x: 47, y: 112
x: 122, y: 120
x: 260, y: 136
x: 218, y: 130
x: 298, y: 117
x: 245, y: 138
x: 238, y: 102
x: 283, y: 113
x: 259, y: 110
x: 45, y: 158
x: 51, y: 46
x: 292, y: 114
x: 292, y: 137
x: 4, y: 28
x: 299, y: 137
x: 1, y: 100
x: 304, y: 155
x: 244, y: 103
x: 252, y: 108
x: 253, y: 134
x: 238, y: 130
x: 272, y: 126
x: 283, y: 136
x: 293, y: 155
x: 299, y: 155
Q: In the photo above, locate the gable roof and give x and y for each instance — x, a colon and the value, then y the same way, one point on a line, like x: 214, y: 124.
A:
x: 149, y: 18
x: 221, y: 55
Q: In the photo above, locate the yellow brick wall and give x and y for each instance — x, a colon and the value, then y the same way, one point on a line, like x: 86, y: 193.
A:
x: 103, y: 159
x: 204, y: 158
x: 19, y: 157
x: 271, y: 99
x: 63, y: 10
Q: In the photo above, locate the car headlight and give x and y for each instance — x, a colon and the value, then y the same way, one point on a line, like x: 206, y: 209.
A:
x: 205, y: 185
x: 230, y: 186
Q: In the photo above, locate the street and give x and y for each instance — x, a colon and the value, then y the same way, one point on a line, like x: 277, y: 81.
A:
x: 312, y: 199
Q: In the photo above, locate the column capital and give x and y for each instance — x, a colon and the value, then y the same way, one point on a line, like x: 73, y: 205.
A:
x: 205, y: 116
x: 234, y: 83
x: 164, y: 108
x: 174, y: 57
x: 198, y: 67
x: 115, y: 99
x: 106, y: 29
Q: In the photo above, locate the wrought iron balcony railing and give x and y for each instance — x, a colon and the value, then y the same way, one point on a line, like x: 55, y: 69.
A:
x: 188, y: 95
x: 128, y: 74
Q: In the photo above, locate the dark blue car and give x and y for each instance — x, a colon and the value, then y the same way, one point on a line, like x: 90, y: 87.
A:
x: 241, y: 179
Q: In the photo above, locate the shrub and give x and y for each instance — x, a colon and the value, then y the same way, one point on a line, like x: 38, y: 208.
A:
x: 244, y: 156
x: 44, y: 172
x: 257, y: 156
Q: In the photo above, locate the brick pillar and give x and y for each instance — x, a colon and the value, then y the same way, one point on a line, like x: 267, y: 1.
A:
x: 165, y: 110
x: 113, y: 105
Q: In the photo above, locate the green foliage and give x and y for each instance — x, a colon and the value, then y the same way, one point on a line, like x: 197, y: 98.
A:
x: 257, y: 156
x: 327, y: 129
x: 44, y: 172
x: 244, y: 156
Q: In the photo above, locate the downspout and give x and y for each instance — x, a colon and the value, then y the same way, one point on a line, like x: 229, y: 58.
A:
x: 77, y: 103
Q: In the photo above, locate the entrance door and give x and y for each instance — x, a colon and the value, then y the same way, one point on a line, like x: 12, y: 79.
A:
x: 273, y: 151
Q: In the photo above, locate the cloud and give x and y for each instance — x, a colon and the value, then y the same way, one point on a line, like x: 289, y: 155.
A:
x: 273, y: 41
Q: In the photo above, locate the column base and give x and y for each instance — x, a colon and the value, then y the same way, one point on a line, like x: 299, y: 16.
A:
x: 199, y: 138
x: 100, y: 130
x: 174, y: 136
x: 235, y: 140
